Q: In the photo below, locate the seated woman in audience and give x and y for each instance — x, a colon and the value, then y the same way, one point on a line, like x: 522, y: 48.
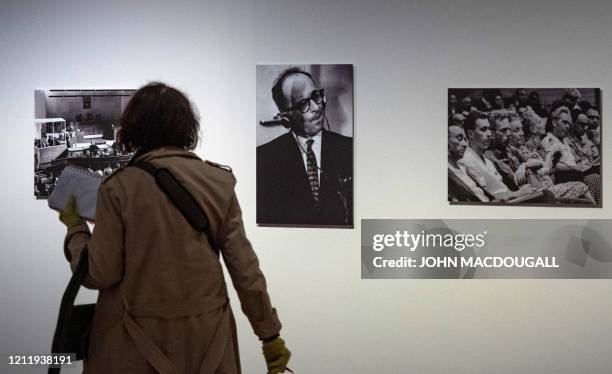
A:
x: 534, y: 127
x: 532, y: 149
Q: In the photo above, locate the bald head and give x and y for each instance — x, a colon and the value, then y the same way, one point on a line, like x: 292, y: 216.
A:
x: 457, y: 142
x: 279, y: 89
x: 295, y: 88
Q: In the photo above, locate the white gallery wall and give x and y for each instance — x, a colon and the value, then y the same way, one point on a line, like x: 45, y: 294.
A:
x: 405, y: 55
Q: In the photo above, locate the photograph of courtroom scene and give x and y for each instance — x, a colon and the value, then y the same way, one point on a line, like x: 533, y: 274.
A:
x: 76, y: 127
x: 525, y: 146
x: 304, y: 145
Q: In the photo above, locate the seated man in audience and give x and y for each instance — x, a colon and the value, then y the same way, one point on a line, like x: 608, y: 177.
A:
x: 491, y: 99
x: 465, y: 106
x: 480, y: 168
x: 456, y: 119
x: 536, y: 105
x: 571, y: 97
x: 594, y: 132
x: 452, y: 104
x: 516, y: 167
x: 564, y: 160
x: 594, y: 135
x: 584, y: 151
x: 521, y: 100
x: 461, y: 187
x: 558, y: 128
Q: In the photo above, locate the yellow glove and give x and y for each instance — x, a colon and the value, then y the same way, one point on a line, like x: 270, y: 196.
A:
x: 69, y: 215
x: 277, y: 355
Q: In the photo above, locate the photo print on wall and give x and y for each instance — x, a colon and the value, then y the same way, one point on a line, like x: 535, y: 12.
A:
x: 305, y: 145
x: 525, y: 146
x: 77, y: 127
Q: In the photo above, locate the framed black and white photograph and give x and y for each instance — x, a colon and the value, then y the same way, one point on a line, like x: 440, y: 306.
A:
x: 305, y: 145
x: 525, y: 146
x: 77, y: 127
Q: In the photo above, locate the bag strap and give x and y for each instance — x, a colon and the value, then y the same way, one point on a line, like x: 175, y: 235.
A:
x: 181, y: 198
x: 71, y: 292
x: 67, y: 303
x: 80, y: 272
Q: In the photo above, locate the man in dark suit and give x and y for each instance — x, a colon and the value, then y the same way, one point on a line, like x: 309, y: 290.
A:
x: 304, y: 177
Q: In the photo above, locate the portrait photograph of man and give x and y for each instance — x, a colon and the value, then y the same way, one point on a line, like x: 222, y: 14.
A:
x: 305, y: 145
x: 536, y: 146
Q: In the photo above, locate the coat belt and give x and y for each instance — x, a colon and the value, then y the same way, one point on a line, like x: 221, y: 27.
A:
x: 186, y: 308
x: 153, y: 354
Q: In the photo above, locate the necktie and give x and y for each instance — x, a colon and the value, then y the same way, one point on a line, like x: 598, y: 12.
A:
x: 313, y: 173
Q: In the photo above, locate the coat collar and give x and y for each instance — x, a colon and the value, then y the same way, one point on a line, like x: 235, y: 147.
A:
x: 162, y: 152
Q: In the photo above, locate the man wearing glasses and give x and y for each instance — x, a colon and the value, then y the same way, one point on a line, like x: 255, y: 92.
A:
x: 594, y: 131
x: 304, y: 177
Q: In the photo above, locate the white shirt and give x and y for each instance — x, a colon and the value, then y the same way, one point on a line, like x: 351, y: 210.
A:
x: 469, y: 182
x: 316, y: 148
x: 483, y: 172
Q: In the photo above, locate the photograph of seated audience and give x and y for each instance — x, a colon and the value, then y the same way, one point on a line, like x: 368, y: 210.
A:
x: 524, y: 146
x: 77, y: 127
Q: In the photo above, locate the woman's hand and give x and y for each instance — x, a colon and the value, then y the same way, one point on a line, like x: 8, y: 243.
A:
x: 69, y: 215
x: 277, y: 355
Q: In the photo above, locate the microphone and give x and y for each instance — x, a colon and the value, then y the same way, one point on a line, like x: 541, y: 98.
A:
x: 278, y: 119
x: 274, y: 122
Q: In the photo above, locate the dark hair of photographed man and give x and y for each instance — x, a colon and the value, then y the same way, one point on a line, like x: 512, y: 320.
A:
x: 520, y: 97
x: 491, y: 95
x: 556, y: 105
x: 470, y: 121
x: 456, y: 120
x: 536, y: 104
x: 277, y: 87
x: 156, y: 116
x: 584, y: 105
x: 575, y: 113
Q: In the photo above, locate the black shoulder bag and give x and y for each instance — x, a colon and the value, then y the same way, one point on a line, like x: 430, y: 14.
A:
x: 74, y: 321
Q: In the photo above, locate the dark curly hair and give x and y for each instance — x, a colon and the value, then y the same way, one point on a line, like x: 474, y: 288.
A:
x: 470, y: 121
x: 156, y: 116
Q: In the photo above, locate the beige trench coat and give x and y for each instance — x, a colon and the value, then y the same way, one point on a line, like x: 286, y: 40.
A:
x: 163, y: 304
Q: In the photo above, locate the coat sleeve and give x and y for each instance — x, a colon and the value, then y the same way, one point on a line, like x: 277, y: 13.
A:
x: 248, y: 279
x: 105, y: 245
